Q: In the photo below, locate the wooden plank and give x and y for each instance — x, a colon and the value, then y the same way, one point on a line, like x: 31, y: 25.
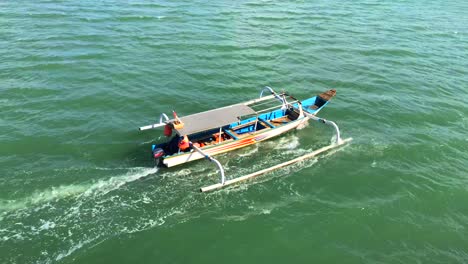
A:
x: 287, y: 163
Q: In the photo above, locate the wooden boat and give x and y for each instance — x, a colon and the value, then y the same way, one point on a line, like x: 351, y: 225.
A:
x: 217, y: 131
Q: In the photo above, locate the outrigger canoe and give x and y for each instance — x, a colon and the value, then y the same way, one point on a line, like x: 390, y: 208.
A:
x: 206, y: 134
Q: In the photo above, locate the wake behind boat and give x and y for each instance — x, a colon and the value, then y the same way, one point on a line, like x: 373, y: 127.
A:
x: 221, y: 130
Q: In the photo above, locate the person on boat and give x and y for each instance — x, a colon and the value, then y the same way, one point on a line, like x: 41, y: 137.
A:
x: 172, y: 146
x: 184, y: 143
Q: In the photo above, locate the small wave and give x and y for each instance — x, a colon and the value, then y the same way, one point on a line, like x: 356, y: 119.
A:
x: 284, y: 142
x: 289, y: 143
x: 137, y: 18
x: 262, y: 209
x: 74, y: 248
x: 253, y: 150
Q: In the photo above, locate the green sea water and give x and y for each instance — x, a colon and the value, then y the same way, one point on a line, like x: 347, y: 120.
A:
x: 77, y: 79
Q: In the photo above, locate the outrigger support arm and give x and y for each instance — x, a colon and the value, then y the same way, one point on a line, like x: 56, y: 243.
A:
x: 160, y: 124
x: 277, y: 96
x: 267, y: 89
x: 327, y: 122
x: 208, y: 157
x: 281, y: 165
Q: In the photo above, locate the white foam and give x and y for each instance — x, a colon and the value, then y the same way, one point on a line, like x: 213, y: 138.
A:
x: 39, y: 197
x: 183, y: 172
x: 74, y: 248
x: 54, y: 193
x: 290, y: 142
x: 103, y: 187
x: 46, y: 225
x: 250, y: 152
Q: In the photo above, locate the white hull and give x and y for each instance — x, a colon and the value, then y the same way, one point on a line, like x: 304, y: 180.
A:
x: 236, y: 144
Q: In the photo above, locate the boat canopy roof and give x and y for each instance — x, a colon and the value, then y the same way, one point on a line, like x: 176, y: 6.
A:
x: 213, y: 119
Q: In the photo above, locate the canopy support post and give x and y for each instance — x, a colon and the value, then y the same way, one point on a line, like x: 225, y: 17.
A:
x: 220, y: 131
x: 208, y: 157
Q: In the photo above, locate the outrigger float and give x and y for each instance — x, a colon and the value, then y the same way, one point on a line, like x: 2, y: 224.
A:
x: 217, y: 131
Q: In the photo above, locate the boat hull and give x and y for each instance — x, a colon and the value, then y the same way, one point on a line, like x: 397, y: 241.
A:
x: 182, y: 158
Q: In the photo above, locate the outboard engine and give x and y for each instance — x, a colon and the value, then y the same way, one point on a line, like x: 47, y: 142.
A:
x: 158, y: 153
